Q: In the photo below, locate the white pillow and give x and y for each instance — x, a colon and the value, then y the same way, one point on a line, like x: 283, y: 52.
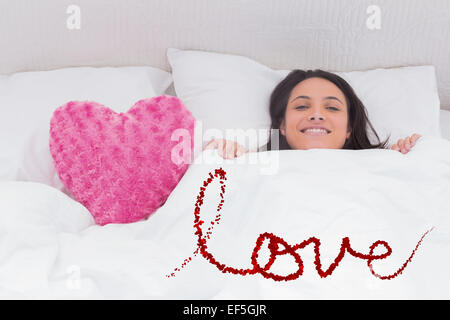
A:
x: 228, y: 91
x: 445, y: 124
x: 28, y: 99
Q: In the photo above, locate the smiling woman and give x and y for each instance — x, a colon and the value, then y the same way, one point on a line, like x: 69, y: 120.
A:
x: 317, y: 109
x: 312, y: 120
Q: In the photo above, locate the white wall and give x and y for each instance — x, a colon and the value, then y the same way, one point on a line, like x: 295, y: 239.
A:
x: 285, y: 34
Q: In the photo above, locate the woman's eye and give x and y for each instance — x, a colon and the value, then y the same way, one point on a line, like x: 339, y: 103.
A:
x: 333, y: 108
x: 301, y: 107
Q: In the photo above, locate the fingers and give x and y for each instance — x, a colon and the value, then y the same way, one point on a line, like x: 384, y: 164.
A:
x: 230, y: 149
x: 226, y: 149
x: 405, y: 145
x: 240, y: 151
x: 212, y: 144
x: 220, y: 147
x: 408, y: 143
x: 233, y: 149
x: 414, y: 138
x: 401, y: 145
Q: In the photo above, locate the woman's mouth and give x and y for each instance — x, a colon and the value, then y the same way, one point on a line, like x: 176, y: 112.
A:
x: 315, y: 131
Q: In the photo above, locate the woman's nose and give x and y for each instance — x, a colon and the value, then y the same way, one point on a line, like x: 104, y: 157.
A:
x: 316, y: 115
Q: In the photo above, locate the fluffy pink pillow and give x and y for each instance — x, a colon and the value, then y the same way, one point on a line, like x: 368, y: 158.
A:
x: 120, y: 166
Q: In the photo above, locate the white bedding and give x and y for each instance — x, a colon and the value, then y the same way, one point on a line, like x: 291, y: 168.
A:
x: 50, y: 248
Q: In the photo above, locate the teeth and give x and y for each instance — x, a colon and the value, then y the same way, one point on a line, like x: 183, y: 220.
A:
x: 316, y: 130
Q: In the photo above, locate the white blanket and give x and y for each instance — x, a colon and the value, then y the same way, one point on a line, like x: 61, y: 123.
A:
x: 50, y: 247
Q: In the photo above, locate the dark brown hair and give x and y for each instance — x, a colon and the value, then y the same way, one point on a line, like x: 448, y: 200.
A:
x: 358, y: 121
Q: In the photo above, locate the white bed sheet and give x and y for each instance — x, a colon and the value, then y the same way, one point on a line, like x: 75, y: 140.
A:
x: 50, y: 247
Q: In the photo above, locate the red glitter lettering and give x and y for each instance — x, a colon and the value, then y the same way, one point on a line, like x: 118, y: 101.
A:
x: 274, y: 246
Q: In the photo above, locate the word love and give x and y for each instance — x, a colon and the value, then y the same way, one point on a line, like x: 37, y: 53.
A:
x: 278, y: 247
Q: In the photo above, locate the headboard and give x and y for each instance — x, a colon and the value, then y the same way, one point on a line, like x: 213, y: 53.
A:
x: 306, y: 34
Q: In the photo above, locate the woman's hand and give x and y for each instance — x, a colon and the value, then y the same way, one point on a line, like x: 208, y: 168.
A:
x: 227, y: 149
x: 405, y: 145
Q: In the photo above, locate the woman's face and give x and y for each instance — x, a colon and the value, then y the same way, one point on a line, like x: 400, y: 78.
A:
x: 316, y: 116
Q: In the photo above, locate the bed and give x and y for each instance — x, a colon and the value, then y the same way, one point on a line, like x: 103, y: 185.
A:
x: 303, y: 224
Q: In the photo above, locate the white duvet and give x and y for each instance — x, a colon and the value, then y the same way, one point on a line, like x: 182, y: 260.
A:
x: 50, y: 247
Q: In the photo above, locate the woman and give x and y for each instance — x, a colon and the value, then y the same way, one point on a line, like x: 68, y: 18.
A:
x: 317, y: 109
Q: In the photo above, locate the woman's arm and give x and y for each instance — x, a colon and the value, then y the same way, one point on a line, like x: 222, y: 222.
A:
x: 227, y: 149
x: 405, y: 145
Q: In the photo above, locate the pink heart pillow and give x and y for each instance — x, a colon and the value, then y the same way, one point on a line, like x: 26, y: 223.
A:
x: 121, y: 167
